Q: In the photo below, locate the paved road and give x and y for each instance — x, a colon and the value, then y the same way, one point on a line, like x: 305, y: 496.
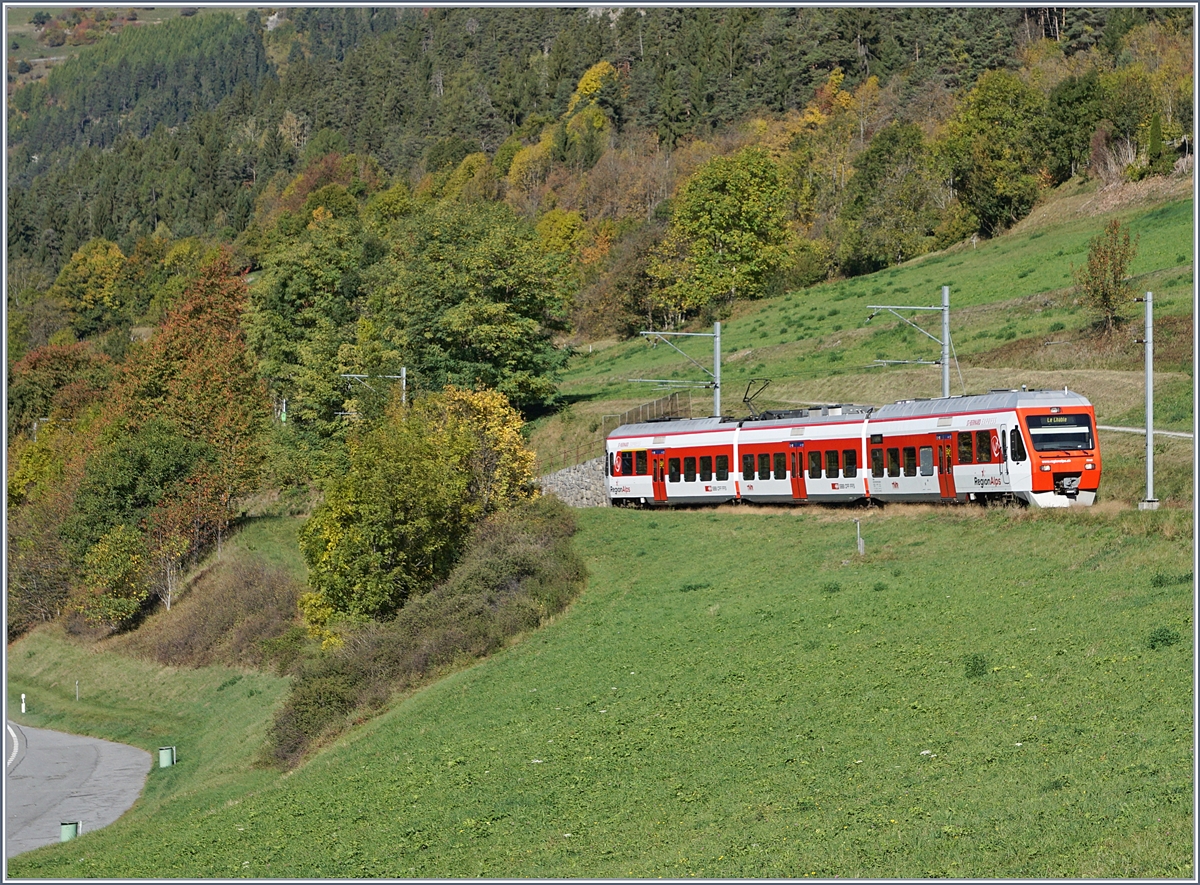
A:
x: 53, y: 777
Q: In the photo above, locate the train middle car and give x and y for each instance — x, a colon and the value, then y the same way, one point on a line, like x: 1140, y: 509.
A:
x: 1036, y: 446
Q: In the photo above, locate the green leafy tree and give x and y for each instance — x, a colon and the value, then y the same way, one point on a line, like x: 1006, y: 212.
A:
x: 303, y: 310
x: 395, y: 522
x: 890, y: 211
x: 1073, y: 112
x: 727, y: 232
x: 995, y: 151
x: 469, y: 296
x: 126, y: 479
x: 1103, y: 282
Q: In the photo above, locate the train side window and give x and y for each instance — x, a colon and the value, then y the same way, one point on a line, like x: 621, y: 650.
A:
x: 747, y: 467
x: 876, y: 462
x: 722, y: 468
x: 627, y: 464
x: 673, y: 469
x: 1018, y: 446
x: 965, y: 455
x: 849, y: 463
x: 764, y: 465
x: 831, y: 464
x: 640, y: 460
x: 689, y: 469
x: 706, y: 467
x: 983, y: 446
x: 910, y: 461
x: 814, y: 465
x: 893, y: 461
x: 926, y: 460
x: 781, y: 465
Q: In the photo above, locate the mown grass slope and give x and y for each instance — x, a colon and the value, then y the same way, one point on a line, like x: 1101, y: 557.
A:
x: 987, y: 693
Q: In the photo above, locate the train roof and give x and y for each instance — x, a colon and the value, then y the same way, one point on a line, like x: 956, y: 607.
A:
x: 831, y: 414
x: 673, y: 425
x: 994, y: 401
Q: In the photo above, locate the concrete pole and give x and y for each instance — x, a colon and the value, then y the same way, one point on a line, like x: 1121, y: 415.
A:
x: 946, y: 341
x: 1151, y: 503
x: 717, y: 370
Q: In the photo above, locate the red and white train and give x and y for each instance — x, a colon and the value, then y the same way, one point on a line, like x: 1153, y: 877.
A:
x: 1037, y: 446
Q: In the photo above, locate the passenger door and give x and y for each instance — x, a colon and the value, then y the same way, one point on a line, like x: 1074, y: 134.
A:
x: 946, y: 467
x: 799, y: 492
x: 658, y: 473
x: 1002, y: 441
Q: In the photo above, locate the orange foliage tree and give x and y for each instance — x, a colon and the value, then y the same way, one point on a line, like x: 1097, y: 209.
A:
x: 195, y: 374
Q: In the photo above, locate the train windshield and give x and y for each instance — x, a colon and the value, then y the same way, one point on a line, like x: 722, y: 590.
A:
x: 1060, y: 433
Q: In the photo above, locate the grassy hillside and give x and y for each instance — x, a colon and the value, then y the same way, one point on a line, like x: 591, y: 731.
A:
x: 986, y: 693
x: 1014, y: 320
x: 736, y: 694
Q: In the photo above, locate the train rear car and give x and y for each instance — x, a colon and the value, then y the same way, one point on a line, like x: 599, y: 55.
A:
x: 679, y: 461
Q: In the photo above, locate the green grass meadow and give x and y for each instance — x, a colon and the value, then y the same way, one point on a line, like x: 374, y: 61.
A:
x: 985, y: 693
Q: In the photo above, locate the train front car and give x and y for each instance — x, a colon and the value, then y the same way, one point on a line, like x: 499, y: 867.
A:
x: 675, y: 461
x: 1064, y: 453
x: 1036, y: 446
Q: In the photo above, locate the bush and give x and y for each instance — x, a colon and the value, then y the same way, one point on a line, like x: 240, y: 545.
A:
x: 519, y: 570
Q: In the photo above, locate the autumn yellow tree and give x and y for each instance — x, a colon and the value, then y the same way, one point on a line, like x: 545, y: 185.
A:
x: 87, y: 287
x: 115, y: 585
x: 396, y: 521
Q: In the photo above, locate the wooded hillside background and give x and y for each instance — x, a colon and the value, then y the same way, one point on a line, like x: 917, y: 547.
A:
x: 213, y: 220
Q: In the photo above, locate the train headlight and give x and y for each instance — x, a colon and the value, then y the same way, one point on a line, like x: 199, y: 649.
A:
x: 1045, y: 468
x: 1089, y: 466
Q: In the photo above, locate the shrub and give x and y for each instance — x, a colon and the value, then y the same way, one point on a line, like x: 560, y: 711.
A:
x: 519, y: 569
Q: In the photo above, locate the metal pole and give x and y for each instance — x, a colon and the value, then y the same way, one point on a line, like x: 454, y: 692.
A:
x: 1151, y: 503
x: 717, y: 370
x: 946, y: 342
x: 404, y: 385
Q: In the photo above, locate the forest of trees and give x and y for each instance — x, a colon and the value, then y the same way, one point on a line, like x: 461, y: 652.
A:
x: 213, y: 221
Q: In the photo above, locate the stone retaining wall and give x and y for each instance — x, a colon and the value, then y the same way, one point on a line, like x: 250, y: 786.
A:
x: 583, y: 485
